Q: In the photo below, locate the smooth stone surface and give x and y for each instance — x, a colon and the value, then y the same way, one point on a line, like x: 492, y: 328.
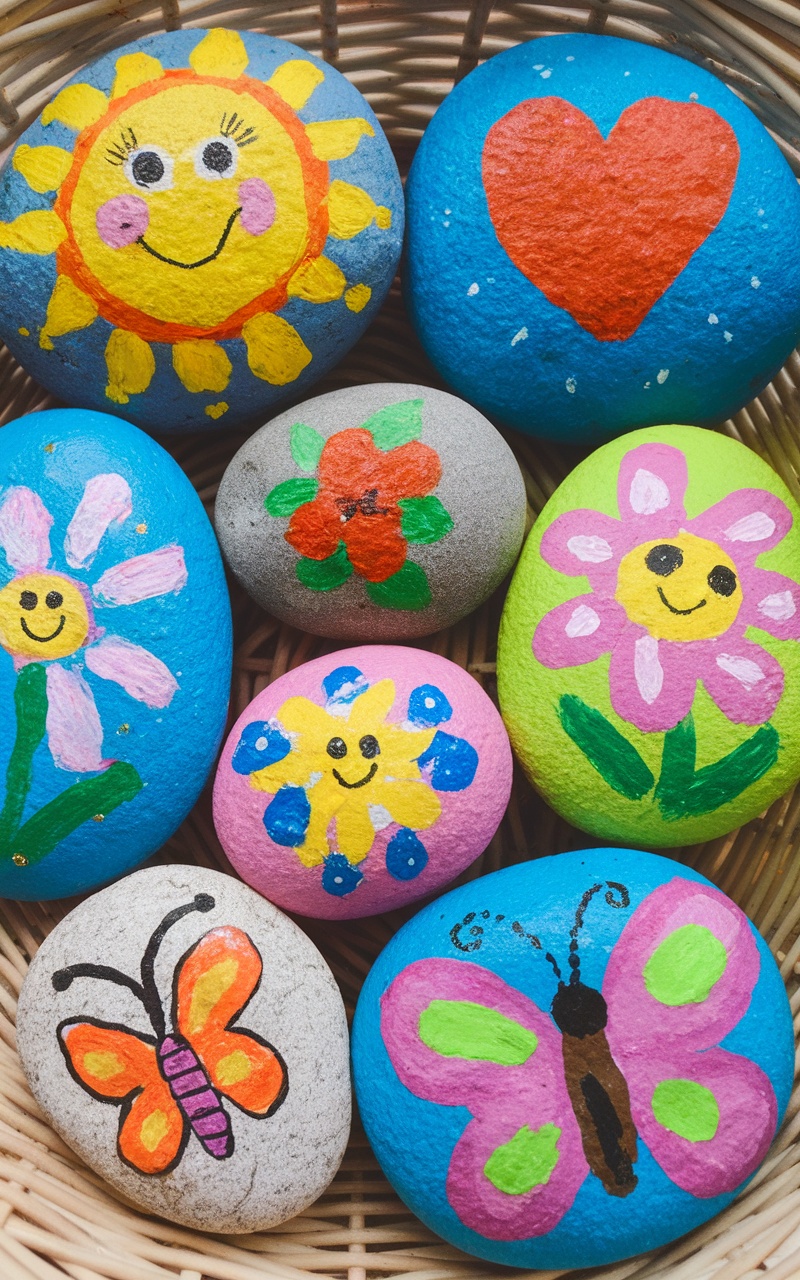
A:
x: 380, y: 512
x: 473, y: 1061
x: 663, y: 703
x: 244, y: 1024
x: 115, y: 650
x: 361, y: 781
x: 197, y: 227
x: 601, y: 236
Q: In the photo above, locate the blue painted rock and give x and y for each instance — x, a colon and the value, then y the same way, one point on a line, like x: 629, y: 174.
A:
x: 611, y: 234
x: 361, y: 781
x: 573, y: 1060
x: 378, y: 512
x: 115, y: 650
x: 190, y: 1044
x: 197, y: 226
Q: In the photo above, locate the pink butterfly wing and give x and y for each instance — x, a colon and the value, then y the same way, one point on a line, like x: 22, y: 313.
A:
x: 502, y: 1099
x: 654, y: 1042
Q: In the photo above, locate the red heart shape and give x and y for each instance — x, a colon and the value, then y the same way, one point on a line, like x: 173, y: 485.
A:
x: 604, y: 225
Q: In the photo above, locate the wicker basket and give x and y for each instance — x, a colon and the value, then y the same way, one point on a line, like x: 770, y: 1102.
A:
x: 56, y: 1217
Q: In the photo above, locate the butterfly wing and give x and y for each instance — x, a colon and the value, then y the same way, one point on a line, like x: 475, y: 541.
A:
x: 213, y: 983
x: 119, y: 1066
x: 678, y: 981
x: 458, y: 1035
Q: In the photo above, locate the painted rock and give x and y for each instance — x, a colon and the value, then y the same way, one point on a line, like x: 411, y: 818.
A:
x: 375, y: 513
x: 362, y: 781
x: 197, y: 226
x: 190, y: 1043
x: 115, y: 650
x: 611, y: 234
x: 573, y: 1060
x: 663, y: 703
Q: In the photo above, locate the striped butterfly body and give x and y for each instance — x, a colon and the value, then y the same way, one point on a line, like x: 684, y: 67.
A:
x: 198, y: 1100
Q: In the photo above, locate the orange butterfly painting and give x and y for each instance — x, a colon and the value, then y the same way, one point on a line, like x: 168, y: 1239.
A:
x: 175, y: 1083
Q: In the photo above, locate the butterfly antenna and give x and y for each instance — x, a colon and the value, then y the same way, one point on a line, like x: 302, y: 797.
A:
x: 200, y: 902
x: 537, y: 946
x: 62, y: 978
x: 614, y: 888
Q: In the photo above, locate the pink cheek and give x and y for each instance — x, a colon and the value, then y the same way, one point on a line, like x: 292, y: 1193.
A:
x: 258, y: 206
x: 122, y: 221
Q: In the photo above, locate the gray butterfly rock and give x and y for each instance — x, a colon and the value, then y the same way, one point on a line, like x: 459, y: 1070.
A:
x: 315, y: 530
x: 279, y: 1163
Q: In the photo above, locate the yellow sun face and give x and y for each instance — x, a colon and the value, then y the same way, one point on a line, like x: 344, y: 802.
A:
x: 684, y: 589
x: 42, y: 615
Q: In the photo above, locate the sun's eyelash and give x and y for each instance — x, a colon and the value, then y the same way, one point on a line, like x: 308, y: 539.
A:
x: 122, y: 148
x: 235, y: 128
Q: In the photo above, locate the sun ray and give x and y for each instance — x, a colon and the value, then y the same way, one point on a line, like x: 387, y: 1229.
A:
x: 38, y: 231
x: 337, y: 139
x: 219, y: 53
x: 352, y: 210
x: 134, y: 69
x: 43, y: 168
x: 357, y: 298
x: 295, y: 81
x: 201, y: 365
x: 77, y: 106
x: 69, y: 309
x: 275, y: 351
x: 130, y: 364
x: 318, y: 281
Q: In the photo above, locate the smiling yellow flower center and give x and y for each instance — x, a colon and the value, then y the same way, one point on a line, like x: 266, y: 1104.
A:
x: 42, y: 615
x: 683, y: 589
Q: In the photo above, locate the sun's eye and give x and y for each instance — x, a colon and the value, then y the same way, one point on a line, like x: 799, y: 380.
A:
x: 664, y: 559
x: 722, y: 580
x: 28, y: 600
x: 336, y: 748
x: 54, y: 599
x: 216, y: 158
x: 150, y: 169
x: 369, y: 746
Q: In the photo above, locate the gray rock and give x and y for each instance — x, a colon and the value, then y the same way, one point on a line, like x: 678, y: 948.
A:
x: 461, y: 532
x: 257, y: 1170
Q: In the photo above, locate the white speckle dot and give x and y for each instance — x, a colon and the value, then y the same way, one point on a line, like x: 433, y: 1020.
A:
x: 520, y: 336
x: 430, y: 703
x: 261, y: 744
x: 546, y: 75
x: 693, y: 97
x: 571, y: 384
x: 447, y: 212
x: 728, y: 336
x: 761, y: 213
x: 411, y: 862
x: 755, y: 282
x: 490, y: 279
x: 538, y: 66
x: 472, y: 290
x: 446, y: 222
x: 646, y: 385
x: 626, y: 73
x: 662, y: 376
x: 337, y: 880
x: 570, y: 57
x: 712, y: 319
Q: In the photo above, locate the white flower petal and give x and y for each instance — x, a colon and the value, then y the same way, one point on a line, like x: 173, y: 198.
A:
x: 583, y: 621
x: 143, y: 577
x: 755, y: 527
x: 647, y: 669
x: 139, y: 672
x: 748, y: 673
x: 589, y: 549
x: 780, y: 607
x: 25, y: 525
x: 649, y: 493
x: 74, y: 731
x: 106, y: 498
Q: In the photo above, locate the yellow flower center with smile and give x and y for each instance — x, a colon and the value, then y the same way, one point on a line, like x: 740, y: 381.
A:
x: 42, y: 615
x: 686, y: 588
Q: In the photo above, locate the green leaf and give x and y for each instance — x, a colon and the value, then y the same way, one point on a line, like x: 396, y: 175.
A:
x: 615, y: 759
x: 325, y: 575
x: 424, y: 519
x: 285, y: 498
x: 406, y: 589
x: 684, y: 791
x: 307, y: 445
x: 396, y: 424
x: 78, y: 804
x: 30, y: 703
x: 465, y: 1029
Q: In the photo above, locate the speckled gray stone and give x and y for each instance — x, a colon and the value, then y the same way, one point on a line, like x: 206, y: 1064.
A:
x: 280, y: 1162
x: 481, y: 489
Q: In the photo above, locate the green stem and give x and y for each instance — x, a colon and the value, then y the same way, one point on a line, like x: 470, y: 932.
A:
x: 684, y: 791
x: 30, y: 705
x: 615, y: 759
x: 90, y: 798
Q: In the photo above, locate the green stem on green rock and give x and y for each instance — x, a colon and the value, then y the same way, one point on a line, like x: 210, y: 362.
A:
x: 684, y: 791
x: 30, y: 705
x: 615, y: 759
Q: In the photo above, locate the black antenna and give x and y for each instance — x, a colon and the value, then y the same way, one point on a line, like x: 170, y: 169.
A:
x: 624, y: 901
x: 537, y: 946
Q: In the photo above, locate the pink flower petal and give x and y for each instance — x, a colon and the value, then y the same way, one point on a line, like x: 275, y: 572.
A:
x: 106, y: 498
x: 140, y: 673
x: 744, y: 680
x: 651, y: 486
x: 74, y: 731
x: 771, y: 602
x: 143, y: 577
x: 25, y: 526
x: 744, y: 524
x: 578, y: 631
x: 587, y: 543
x: 652, y: 682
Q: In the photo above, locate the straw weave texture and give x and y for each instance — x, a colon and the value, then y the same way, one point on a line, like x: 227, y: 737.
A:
x: 56, y: 1218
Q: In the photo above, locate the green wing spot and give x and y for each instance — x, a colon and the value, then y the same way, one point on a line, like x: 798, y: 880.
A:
x: 285, y: 498
x: 462, y: 1029
x: 525, y: 1162
x: 307, y: 445
x: 686, y: 1108
x: 685, y: 966
x: 684, y: 791
x: 324, y: 575
x: 396, y: 424
x: 406, y: 589
x: 424, y: 519
x: 615, y: 759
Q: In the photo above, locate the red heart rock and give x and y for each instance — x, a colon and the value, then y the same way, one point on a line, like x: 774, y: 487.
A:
x: 604, y: 225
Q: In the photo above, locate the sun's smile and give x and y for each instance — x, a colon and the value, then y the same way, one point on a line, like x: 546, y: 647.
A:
x: 44, y: 639
x: 361, y: 782
x: 684, y: 589
x: 200, y: 262
x: 683, y: 613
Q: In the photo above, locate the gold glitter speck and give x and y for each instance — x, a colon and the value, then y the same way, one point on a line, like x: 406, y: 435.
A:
x: 98, y: 817
x: 141, y: 528
x: 49, y: 448
x: 123, y: 728
x: 19, y: 860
